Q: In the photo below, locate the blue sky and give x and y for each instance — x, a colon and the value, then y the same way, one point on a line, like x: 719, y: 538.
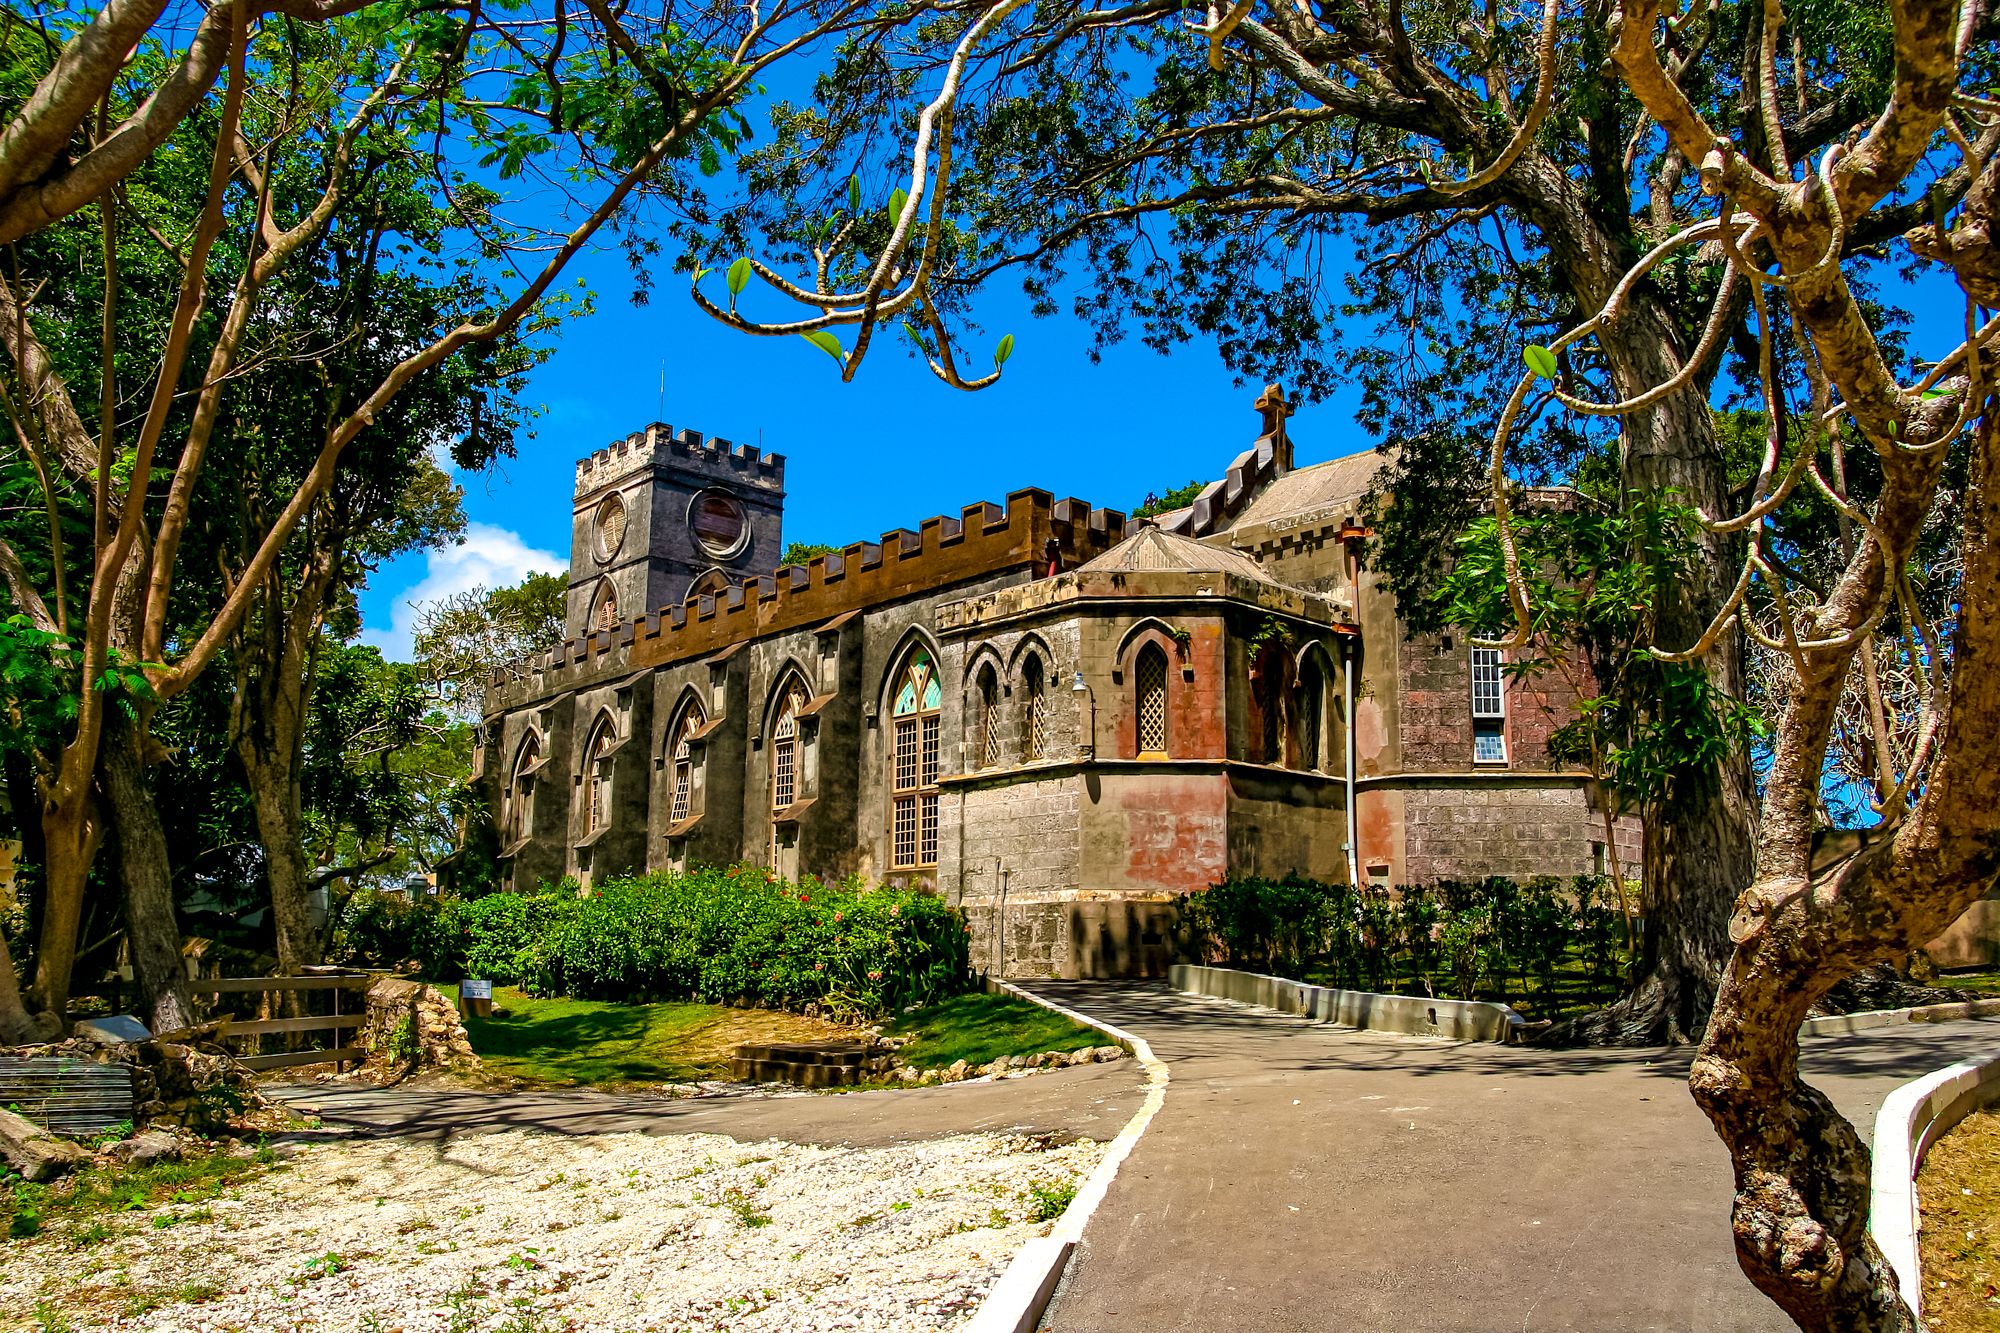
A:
x: 886, y: 451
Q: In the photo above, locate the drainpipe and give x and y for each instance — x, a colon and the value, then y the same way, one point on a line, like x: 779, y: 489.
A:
x: 1351, y: 658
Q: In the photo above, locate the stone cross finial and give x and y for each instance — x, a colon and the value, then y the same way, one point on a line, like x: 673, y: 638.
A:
x: 1271, y: 403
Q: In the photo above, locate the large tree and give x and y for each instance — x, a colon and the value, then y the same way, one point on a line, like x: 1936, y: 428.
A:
x: 107, y: 122
x: 1634, y: 199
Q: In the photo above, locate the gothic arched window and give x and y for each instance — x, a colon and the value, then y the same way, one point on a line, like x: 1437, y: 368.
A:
x: 597, y: 775
x: 604, y: 615
x: 1268, y: 672
x: 986, y: 740
x: 680, y: 754
x: 1150, y: 699
x: 518, y: 819
x: 1035, y: 710
x: 1312, y: 712
x: 785, y: 748
x: 913, y: 771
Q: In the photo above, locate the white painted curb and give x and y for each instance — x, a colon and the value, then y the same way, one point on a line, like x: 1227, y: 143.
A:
x: 1840, y: 1025
x: 1911, y: 1119
x: 1016, y: 1302
x: 1409, y: 1015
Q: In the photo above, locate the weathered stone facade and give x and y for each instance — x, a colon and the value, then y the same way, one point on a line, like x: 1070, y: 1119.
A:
x: 1061, y: 721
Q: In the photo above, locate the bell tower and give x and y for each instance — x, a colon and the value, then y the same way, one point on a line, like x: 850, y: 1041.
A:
x: 659, y: 516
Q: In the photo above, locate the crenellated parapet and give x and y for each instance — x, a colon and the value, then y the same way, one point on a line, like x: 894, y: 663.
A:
x: 982, y: 540
x: 660, y: 443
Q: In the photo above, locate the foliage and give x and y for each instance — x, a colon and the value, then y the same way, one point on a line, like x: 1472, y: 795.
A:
x: 100, y: 1194
x: 1594, y: 574
x: 800, y: 553
x: 1492, y: 938
x: 461, y: 638
x: 1180, y: 497
x: 713, y: 934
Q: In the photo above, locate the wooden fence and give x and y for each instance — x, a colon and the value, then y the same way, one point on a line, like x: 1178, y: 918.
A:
x: 335, y: 1023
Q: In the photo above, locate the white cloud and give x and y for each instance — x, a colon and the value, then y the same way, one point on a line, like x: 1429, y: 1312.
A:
x: 490, y: 557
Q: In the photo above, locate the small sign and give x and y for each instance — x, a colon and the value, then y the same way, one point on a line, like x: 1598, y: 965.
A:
x: 475, y: 990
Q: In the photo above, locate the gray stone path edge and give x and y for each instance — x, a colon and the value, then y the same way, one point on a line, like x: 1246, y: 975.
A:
x: 1016, y: 1302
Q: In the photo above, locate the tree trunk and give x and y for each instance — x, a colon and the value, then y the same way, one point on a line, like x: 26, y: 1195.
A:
x: 145, y: 874
x: 273, y: 779
x: 1699, y: 844
x: 1802, y: 1172
x: 17, y: 1026
x: 70, y: 832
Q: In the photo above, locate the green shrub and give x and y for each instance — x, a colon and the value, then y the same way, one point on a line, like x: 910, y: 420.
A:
x: 734, y: 934
x: 1491, y: 938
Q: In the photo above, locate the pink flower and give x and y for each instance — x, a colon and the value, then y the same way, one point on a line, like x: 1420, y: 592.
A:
x: 836, y: 916
x: 895, y: 911
x: 874, y: 976
x: 819, y: 967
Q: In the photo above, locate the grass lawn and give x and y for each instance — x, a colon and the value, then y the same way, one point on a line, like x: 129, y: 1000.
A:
x: 96, y: 1200
x: 568, y: 1043
x: 981, y: 1028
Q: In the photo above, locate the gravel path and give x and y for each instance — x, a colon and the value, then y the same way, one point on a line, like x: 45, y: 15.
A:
x: 523, y: 1232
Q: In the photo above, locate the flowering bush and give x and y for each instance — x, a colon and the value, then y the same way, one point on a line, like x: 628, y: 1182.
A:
x: 733, y: 934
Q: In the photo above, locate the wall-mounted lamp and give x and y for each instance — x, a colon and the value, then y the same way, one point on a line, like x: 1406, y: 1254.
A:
x: 1082, y: 686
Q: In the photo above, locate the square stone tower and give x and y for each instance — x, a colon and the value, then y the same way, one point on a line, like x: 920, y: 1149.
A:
x: 660, y: 517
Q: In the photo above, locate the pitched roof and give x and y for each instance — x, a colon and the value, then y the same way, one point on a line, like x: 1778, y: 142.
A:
x: 1153, y: 548
x: 1337, y: 483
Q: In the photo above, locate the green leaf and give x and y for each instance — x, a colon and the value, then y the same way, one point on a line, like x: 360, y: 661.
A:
x: 897, y: 198
x: 854, y: 194
x: 1540, y: 360
x: 1934, y: 393
x: 739, y: 276
x: 1003, y: 351
x: 700, y: 272
x: 827, y: 343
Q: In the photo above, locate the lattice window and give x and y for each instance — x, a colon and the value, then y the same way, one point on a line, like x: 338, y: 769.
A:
x: 989, y: 719
x: 1312, y: 708
x: 597, y: 776
x: 683, y: 761
x: 1036, y: 730
x: 1486, y: 696
x: 1489, y: 708
x: 521, y: 795
x: 1152, y: 699
x: 914, y: 766
x: 785, y: 751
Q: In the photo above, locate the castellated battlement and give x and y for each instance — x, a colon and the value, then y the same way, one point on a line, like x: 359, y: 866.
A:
x: 687, y: 448
x: 983, y: 539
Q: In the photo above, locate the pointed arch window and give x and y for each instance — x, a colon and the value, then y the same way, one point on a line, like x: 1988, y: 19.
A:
x: 785, y: 748
x: 604, y: 614
x: 597, y: 775
x: 1312, y: 712
x: 1150, y: 676
x: 519, y: 818
x: 913, y: 771
x: 681, y: 757
x: 1267, y: 689
x: 986, y: 752
x: 1035, y: 710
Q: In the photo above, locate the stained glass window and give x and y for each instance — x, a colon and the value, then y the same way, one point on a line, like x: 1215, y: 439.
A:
x: 1152, y: 699
x: 913, y: 771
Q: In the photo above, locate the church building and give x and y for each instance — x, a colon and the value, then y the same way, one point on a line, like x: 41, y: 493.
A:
x: 1061, y: 719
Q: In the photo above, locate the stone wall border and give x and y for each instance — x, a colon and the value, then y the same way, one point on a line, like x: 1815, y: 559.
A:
x: 1912, y: 1118
x: 1410, y: 1015
x: 1016, y: 1303
x: 1840, y: 1025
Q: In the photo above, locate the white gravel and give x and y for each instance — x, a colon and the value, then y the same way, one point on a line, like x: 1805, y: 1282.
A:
x: 520, y: 1232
